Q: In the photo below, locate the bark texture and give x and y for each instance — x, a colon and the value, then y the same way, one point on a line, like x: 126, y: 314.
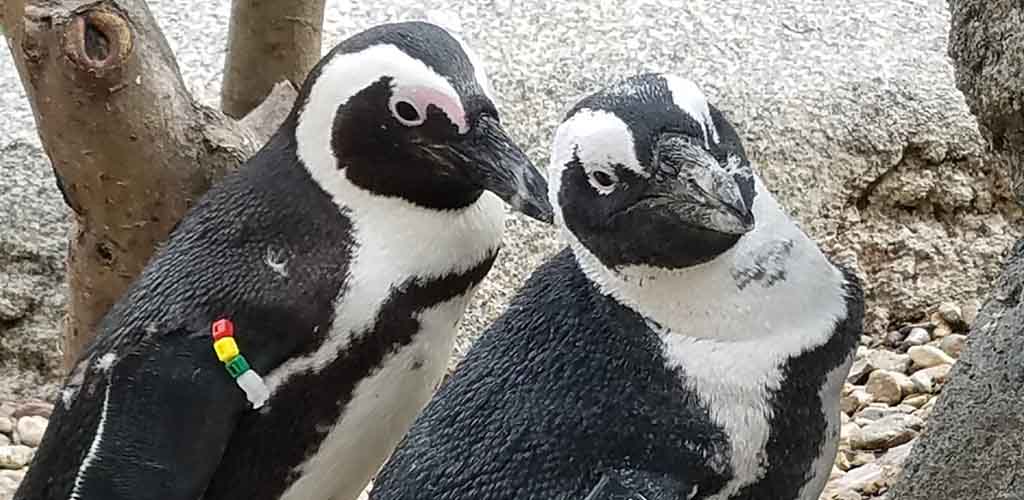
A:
x: 130, y: 148
x: 268, y: 41
x: 971, y: 449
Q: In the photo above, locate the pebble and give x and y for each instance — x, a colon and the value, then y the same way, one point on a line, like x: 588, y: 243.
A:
x: 15, y: 456
x: 887, y: 432
x: 887, y: 360
x: 867, y: 479
x: 848, y: 433
x: 33, y: 409
x: 893, y: 339
x: 879, y: 411
x: 6, y: 425
x: 970, y: 311
x: 950, y: 313
x: 853, y: 402
x: 859, y: 371
x: 927, y: 356
x: 30, y: 430
x: 930, y: 379
x: 942, y: 330
x: 886, y: 386
x: 4, y: 440
x: 917, y: 400
x: 917, y: 336
x: 953, y: 344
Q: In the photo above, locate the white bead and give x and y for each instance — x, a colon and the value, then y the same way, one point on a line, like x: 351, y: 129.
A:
x: 255, y: 390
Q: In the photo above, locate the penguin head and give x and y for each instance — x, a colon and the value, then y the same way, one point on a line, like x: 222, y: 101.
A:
x: 405, y: 110
x: 646, y: 172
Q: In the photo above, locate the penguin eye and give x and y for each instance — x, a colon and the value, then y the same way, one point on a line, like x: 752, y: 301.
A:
x: 406, y: 113
x: 602, y: 180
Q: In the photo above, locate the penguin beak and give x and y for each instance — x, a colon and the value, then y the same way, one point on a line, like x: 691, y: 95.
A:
x: 696, y: 187
x: 491, y: 160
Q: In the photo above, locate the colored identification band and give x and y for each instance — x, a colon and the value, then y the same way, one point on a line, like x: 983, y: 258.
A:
x: 223, y: 331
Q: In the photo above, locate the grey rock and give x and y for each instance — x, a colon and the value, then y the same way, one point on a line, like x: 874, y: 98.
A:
x: 953, y: 344
x: 893, y: 338
x: 6, y: 425
x: 930, y: 379
x: 927, y: 356
x: 917, y: 336
x: 980, y: 412
x: 873, y: 412
x: 4, y: 440
x: 30, y: 430
x: 889, y: 361
x: 32, y: 245
x: 887, y: 432
x: 859, y: 371
x: 951, y: 313
x: 848, y: 108
x: 15, y: 456
x: 867, y: 479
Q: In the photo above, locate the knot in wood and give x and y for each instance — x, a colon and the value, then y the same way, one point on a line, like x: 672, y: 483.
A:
x: 98, y: 42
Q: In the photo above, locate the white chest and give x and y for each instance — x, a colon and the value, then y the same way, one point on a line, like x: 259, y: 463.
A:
x: 380, y: 412
x: 396, y: 244
x: 731, y: 325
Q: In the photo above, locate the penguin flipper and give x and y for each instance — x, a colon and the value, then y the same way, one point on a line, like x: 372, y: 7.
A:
x: 151, y: 423
x: 632, y: 484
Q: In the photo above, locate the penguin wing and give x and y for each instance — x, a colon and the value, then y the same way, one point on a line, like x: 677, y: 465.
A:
x: 148, y: 422
x: 633, y: 484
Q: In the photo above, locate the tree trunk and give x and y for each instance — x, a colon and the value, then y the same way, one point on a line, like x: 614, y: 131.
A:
x: 130, y: 148
x: 971, y: 449
x: 268, y: 41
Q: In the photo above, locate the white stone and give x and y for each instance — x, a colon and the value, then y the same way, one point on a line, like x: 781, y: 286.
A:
x: 927, y: 356
x: 890, y: 361
x: 917, y: 336
x: 30, y: 430
x: 15, y: 456
x: 953, y: 344
x: 887, y: 432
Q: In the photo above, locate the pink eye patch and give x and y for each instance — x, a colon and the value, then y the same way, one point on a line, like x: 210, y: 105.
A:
x: 420, y: 97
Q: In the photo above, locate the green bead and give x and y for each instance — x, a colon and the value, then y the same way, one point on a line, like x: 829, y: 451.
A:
x: 237, y: 366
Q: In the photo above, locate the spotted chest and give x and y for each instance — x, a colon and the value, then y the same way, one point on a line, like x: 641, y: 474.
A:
x: 760, y: 334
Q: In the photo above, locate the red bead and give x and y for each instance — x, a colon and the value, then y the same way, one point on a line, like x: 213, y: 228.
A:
x: 223, y: 328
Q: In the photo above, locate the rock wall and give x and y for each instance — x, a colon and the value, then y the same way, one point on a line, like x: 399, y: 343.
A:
x: 848, y: 108
x: 972, y: 448
x: 33, y: 241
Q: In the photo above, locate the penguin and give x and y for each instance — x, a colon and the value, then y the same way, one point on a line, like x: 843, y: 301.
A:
x: 689, y: 342
x: 303, y: 311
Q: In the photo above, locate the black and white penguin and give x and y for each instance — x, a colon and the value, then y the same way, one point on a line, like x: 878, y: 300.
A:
x: 336, y: 262
x: 691, y: 343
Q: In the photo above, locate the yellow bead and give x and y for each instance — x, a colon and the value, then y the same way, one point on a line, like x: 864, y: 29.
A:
x: 226, y: 349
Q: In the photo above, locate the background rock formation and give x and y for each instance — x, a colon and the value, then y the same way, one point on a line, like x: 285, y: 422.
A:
x: 849, y: 109
x: 972, y: 448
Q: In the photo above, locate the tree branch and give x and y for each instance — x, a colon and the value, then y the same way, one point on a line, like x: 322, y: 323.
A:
x: 130, y: 148
x: 268, y: 41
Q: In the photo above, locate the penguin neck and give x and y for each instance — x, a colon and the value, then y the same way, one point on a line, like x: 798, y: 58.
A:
x: 756, y: 291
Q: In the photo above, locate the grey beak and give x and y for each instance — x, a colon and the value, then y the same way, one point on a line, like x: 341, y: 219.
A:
x: 700, y: 188
x: 493, y: 161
